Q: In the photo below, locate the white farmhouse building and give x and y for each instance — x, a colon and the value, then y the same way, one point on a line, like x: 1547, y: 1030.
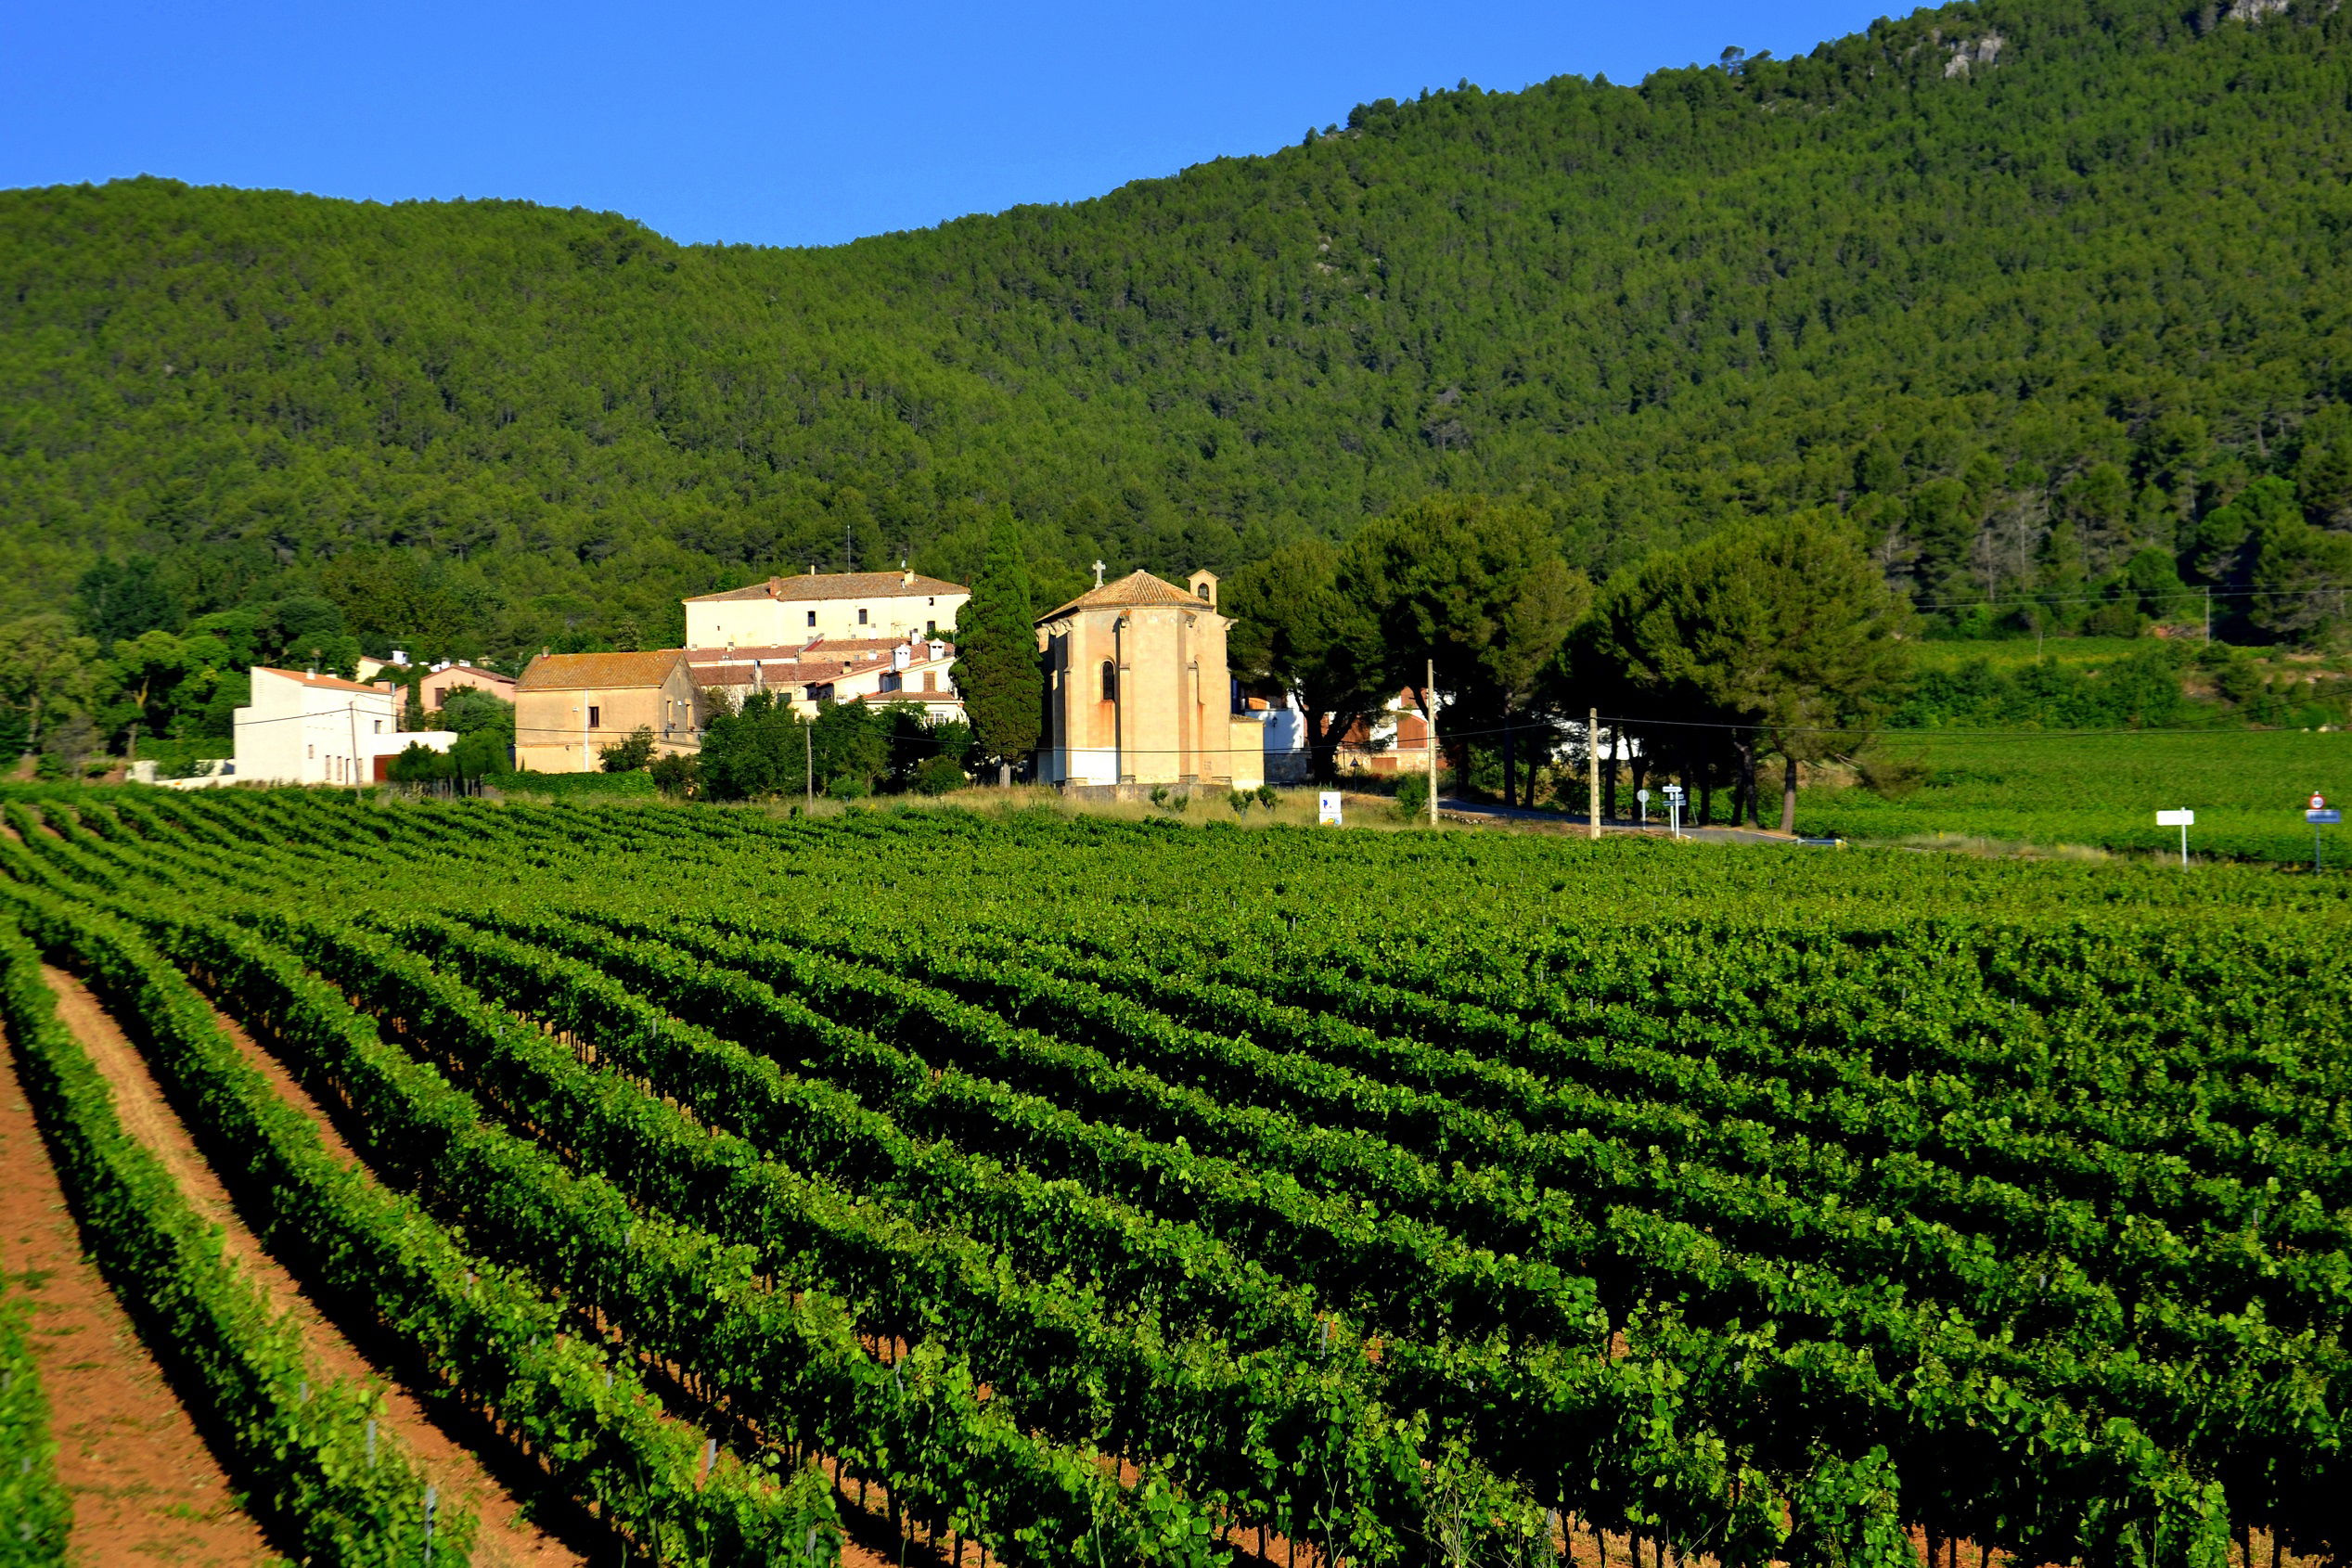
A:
x: 787, y: 612
x: 306, y: 728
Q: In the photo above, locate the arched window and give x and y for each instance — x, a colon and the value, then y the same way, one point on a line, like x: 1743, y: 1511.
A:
x: 1110, y: 680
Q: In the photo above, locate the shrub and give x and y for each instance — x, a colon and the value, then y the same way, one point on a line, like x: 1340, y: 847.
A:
x: 1890, y: 776
x: 484, y: 753
x: 674, y: 776
x: 1412, y: 796
x: 938, y: 775
x: 1240, y: 801
x: 418, y: 764
x: 630, y: 754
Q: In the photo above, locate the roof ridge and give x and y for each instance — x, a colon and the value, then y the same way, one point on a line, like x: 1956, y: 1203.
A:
x: 1128, y: 593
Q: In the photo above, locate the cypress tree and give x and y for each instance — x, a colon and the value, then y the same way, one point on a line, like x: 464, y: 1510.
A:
x: 996, y: 667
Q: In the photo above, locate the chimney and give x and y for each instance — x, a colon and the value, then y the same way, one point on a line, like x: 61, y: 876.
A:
x: 905, y: 578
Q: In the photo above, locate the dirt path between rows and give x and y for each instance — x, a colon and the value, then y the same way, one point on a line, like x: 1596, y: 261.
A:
x: 145, y: 1487
x: 506, y: 1538
x: 854, y: 1552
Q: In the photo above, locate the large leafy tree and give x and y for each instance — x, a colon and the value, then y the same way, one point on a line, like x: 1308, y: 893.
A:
x: 1294, y: 627
x: 850, y: 743
x: 49, y: 673
x: 1781, y: 632
x: 1473, y: 586
x: 996, y: 667
x: 752, y: 751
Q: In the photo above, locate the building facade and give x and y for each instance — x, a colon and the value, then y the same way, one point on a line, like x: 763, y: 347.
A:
x: 1137, y: 691
x: 1393, y: 740
x: 570, y: 706
x: 788, y: 611
x: 910, y: 670
x: 303, y: 727
x: 436, y: 685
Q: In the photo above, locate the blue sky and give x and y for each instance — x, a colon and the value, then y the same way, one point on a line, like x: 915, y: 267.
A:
x: 778, y: 124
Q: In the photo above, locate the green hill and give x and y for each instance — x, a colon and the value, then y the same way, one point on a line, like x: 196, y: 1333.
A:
x: 2031, y: 286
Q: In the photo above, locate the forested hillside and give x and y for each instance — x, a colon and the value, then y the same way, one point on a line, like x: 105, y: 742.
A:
x: 2036, y: 289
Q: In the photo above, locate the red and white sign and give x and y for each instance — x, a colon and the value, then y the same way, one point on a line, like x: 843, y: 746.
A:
x: 2318, y: 802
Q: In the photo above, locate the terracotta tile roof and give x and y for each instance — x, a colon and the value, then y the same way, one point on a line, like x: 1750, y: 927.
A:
x: 742, y: 655
x: 838, y: 584
x: 573, y: 672
x: 807, y: 671
x: 1135, y: 589
x: 469, y: 672
x: 884, y: 646
x: 323, y: 683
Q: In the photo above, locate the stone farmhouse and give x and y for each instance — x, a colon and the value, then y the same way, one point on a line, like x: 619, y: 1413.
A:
x: 858, y: 637
x: 568, y: 706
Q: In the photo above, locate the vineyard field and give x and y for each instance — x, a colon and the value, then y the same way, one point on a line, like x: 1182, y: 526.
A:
x: 941, y: 1187
x: 2103, y: 790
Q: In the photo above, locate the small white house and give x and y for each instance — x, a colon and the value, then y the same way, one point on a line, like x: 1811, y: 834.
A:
x: 307, y: 728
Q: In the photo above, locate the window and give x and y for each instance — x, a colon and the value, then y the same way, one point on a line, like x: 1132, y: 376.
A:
x: 312, y: 751
x: 380, y: 726
x: 812, y: 618
x: 595, y: 717
x: 1201, y: 590
x: 931, y: 680
x: 861, y: 617
x: 930, y: 628
x: 1110, y: 681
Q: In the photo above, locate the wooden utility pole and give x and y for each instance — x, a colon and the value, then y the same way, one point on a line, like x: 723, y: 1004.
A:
x: 1429, y: 699
x: 1592, y: 773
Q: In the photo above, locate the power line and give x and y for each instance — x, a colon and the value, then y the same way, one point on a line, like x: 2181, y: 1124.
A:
x: 2125, y: 596
x: 1960, y: 734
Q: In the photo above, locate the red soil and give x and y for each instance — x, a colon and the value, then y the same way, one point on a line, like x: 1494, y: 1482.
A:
x: 145, y: 1487
x: 506, y: 1539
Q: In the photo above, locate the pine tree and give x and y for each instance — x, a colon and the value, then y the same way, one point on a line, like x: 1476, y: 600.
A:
x: 997, y: 654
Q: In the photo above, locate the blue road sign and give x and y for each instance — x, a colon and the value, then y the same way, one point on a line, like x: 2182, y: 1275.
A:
x: 2328, y: 817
